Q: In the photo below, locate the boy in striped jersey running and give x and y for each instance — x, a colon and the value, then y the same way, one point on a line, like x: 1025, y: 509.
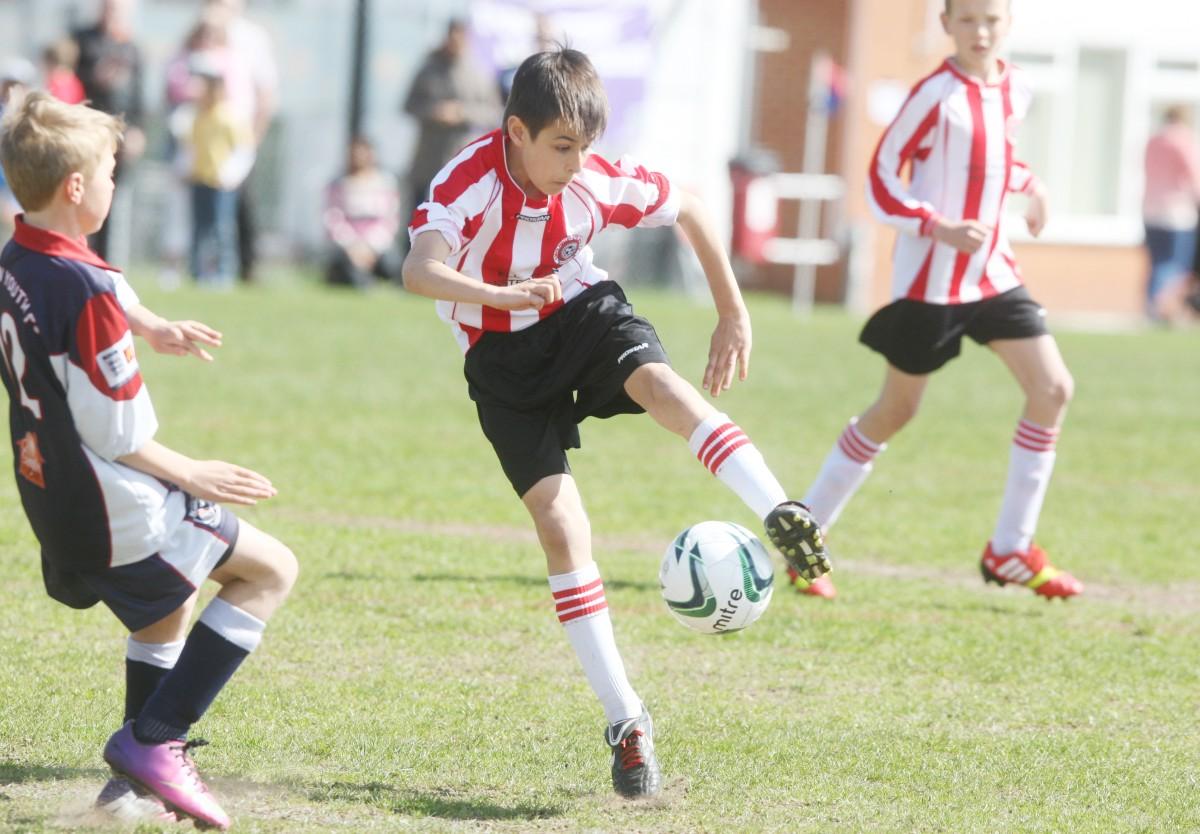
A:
x: 502, y: 243
x: 955, y: 274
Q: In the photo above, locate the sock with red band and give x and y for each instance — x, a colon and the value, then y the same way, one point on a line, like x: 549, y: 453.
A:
x: 583, y: 610
x: 727, y: 452
x: 1030, y: 465
x: 845, y: 469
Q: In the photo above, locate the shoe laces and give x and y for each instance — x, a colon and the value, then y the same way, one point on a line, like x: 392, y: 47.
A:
x: 631, y: 750
x: 189, y: 766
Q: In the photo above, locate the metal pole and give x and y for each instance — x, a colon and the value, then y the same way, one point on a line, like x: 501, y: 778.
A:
x: 359, y: 67
x: 816, y: 132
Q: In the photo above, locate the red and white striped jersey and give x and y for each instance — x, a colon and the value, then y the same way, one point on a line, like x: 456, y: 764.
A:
x: 498, y: 235
x: 957, y: 132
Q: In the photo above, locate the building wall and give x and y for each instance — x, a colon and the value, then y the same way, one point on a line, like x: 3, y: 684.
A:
x: 782, y: 111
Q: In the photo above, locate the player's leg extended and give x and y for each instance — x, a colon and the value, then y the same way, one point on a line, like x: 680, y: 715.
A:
x: 851, y: 459
x: 1039, y: 369
x: 565, y: 534
x: 849, y: 462
x: 727, y: 452
x: 152, y: 749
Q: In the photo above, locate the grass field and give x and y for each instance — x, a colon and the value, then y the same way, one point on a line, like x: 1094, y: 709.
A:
x: 418, y: 680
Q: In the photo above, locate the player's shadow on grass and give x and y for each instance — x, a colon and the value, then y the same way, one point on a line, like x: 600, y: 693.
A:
x: 12, y: 773
x: 513, y: 579
x: 440, y: 804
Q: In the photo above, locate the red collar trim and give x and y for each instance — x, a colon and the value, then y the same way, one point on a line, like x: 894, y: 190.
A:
x: 56, y: 245
x: 954, y: 68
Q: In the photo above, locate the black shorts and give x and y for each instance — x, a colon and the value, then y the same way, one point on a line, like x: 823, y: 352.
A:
x: 918, y: 338
x: 532, y: 388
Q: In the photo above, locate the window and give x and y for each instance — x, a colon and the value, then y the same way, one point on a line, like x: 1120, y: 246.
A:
x: 1099, y: 107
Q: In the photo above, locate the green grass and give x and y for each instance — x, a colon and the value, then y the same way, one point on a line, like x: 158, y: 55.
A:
x: 418, y: 681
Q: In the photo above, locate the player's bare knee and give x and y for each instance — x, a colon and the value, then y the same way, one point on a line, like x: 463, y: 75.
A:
x: 285, y: 568
x: 898, y: 413
x: 1055, y: 394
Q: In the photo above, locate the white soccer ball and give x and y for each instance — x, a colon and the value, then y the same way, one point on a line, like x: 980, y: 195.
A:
x: 716, y: 577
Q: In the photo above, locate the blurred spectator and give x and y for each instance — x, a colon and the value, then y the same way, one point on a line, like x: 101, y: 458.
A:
x: 16, y: 77
x: 1170, y: 208
x: 454, y: 101
x: 59, y: 60
x: 252, y: 89
x: 110, y: 68
x: 222, y: 151
x: 545, y: 37
x: 207, y: 37
x: 362, y: 219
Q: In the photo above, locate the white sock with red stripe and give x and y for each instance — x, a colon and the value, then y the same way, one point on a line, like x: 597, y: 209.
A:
x: 845, y: 469
x: 583, y: 611
x: 727, y: 452
x: 1029, y: 470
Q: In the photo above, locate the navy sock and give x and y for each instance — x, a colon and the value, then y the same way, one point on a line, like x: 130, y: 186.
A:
x: 207, y: 663
x: 141, y: 679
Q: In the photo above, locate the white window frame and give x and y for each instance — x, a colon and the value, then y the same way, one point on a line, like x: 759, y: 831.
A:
x: 1145, y: 83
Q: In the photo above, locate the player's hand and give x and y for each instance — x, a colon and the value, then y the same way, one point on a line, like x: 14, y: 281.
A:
x: 227, y: 483
x: 728, y: 353
x: 361, y: 255
x: 450, y: 113
x: 180, y: 338
x: 533, y: 294
x: 1037, y: 212
x: 964, y: 235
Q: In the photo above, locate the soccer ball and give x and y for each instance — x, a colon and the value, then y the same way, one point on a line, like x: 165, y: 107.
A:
x: 716, y: 577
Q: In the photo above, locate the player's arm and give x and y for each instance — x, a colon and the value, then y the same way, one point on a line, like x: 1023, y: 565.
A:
x: 426, y: 273
x: 212, y: 480
x: 729, y: 348
x: 1021, y: 180
x: 178, y: 338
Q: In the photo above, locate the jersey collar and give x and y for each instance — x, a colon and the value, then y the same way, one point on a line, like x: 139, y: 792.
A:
x: 958, y: 72
x: 512, y: 181
x: 55, y: 245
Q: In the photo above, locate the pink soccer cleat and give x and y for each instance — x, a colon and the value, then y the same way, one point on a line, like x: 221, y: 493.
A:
x: 167, y: 771
x: 1030, y: 568
x: 821, y: 587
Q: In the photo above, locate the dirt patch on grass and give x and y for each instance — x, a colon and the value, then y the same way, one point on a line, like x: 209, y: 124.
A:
x: 1177, y: 597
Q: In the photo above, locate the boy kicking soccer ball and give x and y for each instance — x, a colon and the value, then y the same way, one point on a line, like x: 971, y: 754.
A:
x: 955, y: 275
x: 121, y: 518
x: 502, y: 243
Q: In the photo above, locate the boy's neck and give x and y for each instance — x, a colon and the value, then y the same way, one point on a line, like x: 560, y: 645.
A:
x: 517, y: 171
x: 988, y: 71
x: 58, y: 219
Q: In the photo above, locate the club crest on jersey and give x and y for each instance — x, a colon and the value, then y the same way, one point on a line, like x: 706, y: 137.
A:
x: 118, y: 363
x: 567, y: 249
x: 204, y: 513
x: 31, y: 460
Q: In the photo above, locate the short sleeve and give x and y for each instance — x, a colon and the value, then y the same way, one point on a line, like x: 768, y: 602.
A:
x: 109, y: 404
x: 629, y: 194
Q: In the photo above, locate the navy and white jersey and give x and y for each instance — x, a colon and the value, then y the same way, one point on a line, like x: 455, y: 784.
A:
x: 76, y: 403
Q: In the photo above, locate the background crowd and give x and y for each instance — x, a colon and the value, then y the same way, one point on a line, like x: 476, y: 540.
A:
x: 222, y: 92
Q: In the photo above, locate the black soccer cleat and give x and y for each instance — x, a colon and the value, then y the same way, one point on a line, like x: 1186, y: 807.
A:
x: 635, y: 772
x: 795, y: 532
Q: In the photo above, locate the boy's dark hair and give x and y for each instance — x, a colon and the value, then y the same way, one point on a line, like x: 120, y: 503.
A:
x: 558, y: 84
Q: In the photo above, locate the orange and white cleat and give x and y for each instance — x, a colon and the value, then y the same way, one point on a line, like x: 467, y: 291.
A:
x: 822, y: 586
x: 1030, y: 568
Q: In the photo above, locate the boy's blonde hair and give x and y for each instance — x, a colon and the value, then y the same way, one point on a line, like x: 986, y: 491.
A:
x: 43, y: 141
